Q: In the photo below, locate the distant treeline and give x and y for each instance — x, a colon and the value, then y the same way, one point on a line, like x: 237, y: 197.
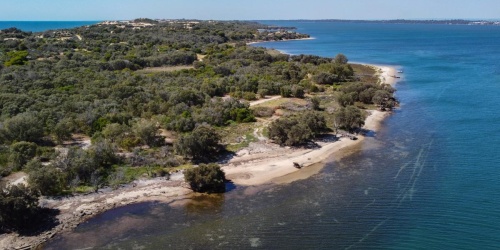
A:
x: 406, y: 21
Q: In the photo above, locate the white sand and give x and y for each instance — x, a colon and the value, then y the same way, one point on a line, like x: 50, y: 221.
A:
x: 387, y: 74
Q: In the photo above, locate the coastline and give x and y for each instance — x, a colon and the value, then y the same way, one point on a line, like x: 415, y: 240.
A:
x: 252, y: 169
x: 245, y: 169
x: 77, y: 209
x: 263, y: 168
x: 284, y: 40
x: 387, y: 74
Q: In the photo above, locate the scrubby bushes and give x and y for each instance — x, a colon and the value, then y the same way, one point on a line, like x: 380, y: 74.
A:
x: 23, y: 127
x: 21, y: 153
x: 201, y: 144
x: 299, y: 129
x: 263, y: 111
x: 350, y: 118
x: 206, y: 178
x: 18, y: 208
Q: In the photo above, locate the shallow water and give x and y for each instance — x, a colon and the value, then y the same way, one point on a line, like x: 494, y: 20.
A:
x: 426, y: 180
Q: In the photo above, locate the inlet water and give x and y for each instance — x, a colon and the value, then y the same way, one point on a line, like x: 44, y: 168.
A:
x: 427, y: 180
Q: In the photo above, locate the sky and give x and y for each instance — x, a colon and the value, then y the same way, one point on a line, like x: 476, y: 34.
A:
x: 80, y: 10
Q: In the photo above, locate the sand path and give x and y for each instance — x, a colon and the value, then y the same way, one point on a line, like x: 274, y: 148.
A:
x: 260, y: 101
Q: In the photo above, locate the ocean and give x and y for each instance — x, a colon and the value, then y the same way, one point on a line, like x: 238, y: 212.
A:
x: 429, y: 179
x: 40, y: 26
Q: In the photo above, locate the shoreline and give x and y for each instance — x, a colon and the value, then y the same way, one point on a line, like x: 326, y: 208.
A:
x: 264, y: 168
x: 77, y: 209
x: 245, y: 169
x: 387, y: 74
x: 255, y: 170
x: 284, y: 40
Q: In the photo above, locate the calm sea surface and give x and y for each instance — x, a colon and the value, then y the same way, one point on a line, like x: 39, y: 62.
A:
x: 429, y: 179
x: 37, y: 26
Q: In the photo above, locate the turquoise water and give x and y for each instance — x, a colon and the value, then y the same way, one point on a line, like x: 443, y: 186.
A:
x: 38, y: 26
x: 429, y: 179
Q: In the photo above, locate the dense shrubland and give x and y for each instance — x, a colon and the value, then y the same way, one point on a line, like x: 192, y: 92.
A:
x: 90, y: 81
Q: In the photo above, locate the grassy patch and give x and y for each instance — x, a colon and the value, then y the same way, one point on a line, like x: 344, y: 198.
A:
x: 83, y: 189
x: 239, y: 135
x: 181, y: 167
x: 265, y: 132
x: 364, y: 73
x: 232, y: 133
x: 133, y: 173
x: 245, y: 142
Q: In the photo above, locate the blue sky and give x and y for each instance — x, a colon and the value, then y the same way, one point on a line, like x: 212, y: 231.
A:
x: 34, y: 10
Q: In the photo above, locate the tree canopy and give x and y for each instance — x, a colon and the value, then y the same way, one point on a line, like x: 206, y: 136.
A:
x: 206, y: 178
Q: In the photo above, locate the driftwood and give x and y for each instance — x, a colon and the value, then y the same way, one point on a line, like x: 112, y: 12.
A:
x: 295, y: 164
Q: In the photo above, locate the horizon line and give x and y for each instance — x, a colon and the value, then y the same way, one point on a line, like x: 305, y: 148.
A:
x: 292, y: 19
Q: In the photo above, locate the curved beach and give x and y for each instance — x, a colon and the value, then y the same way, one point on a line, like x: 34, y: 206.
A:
x: 276, y: 164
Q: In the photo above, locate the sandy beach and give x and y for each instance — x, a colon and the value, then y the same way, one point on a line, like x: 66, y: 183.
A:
x: 271, y: 164
x: 387, y: 74
x: 284, y: 40
x: 259, y: 168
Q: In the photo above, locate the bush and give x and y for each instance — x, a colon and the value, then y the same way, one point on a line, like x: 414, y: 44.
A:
x: 201, y: 144
x: 315, y: 103
x: 161, y: 172
x: 242, y: 115
x: 16, y: 58
x: 45, y: 179
x: 340, y: 59
x: 206, y: 178
x: 298, y: 129
x: 148, y: 133
x: 21, y: 153
x: 324, y: 78
x: 263, y: 111
x: 23, y: 127
x: 286, y: 91
x: 18, y: 207
x: 297, y: 91
x: 350, y: 118
x: 249, y: 96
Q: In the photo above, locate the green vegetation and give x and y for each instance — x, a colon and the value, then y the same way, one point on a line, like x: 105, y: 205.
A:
x: 18, y: 208
x: 153, y: 96
x: 16, y: 58
x: 206, y: 178
x: 201, y: 144
x: 298, y: 129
